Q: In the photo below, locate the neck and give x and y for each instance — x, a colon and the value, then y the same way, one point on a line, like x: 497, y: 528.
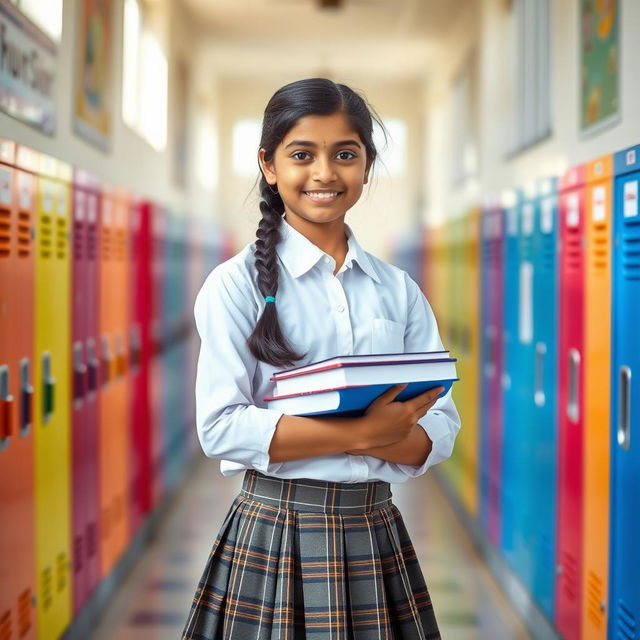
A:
x: 330, y: 237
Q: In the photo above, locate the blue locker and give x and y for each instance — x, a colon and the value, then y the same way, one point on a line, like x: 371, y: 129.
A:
x: 544, y: 455
x: 511, y: 474
x: 521, y: 427
x: 624, y: 591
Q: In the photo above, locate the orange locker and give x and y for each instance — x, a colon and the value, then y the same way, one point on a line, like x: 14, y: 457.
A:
x: 597, y: 345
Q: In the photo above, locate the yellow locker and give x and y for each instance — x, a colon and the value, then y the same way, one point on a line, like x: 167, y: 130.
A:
x: 52, y: 404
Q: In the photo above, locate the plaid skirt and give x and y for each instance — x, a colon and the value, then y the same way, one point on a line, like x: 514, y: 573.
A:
x: 298, y: 559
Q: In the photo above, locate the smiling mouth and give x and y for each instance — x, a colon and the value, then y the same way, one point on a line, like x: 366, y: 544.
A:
x: 322, y: 196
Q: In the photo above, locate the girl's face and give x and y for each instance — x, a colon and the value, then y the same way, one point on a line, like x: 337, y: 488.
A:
x: 319, y: 168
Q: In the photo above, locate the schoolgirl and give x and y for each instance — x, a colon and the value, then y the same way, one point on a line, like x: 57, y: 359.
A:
x: 313, y: 546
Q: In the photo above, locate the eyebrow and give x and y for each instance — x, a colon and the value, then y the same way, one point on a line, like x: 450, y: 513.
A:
x: 307, y: 143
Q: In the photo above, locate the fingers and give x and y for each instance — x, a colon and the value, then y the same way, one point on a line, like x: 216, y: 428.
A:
x: 425, y: 398
x: 391, y: 393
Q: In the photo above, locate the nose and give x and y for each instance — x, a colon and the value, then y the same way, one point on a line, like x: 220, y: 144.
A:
x: 323, y: 170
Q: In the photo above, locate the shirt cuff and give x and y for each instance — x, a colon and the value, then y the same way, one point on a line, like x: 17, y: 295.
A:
x: 437, y: 426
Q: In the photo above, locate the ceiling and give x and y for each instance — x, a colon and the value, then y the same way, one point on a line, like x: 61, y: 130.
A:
x: 382, y: 39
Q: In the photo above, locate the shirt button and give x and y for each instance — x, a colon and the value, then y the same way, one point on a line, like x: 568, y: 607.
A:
x: 340, y: 308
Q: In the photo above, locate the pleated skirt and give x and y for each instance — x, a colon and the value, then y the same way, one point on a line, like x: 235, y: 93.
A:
x: 298, y: 559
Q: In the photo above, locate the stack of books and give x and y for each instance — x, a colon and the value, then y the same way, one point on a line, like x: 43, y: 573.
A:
x: 347, y: 385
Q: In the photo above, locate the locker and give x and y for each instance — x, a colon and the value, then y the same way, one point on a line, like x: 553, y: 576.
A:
x: 521, y: 431
x: 84, y: 338
x: 544, y: 401
x: 157, y: 383
x: 505, y: 449
x: 624, y: 589
x: 114, y: 390
x: 140, y: 348
x: 467, y: 442
x: 17, y: 275
x: 597, y: 410
x: 491, y: 354
x: 52, y: 397
x: 571, y: 358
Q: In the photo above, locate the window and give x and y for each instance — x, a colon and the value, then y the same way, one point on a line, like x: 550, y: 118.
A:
x: 144, y: 77
x: 531, y: 25
x: 45, y: 14
x: 246, y: 140
x: 394, y: 155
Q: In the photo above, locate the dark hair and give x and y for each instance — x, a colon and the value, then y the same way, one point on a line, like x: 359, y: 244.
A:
x: 311, y: 96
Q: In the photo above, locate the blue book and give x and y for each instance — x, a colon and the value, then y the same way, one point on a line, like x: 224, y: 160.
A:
x: 350, y: 401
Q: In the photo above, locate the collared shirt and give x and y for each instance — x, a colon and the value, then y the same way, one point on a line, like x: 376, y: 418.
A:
x: 368, y: 306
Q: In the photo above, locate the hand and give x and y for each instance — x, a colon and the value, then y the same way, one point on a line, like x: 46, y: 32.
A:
x: 386, y: 422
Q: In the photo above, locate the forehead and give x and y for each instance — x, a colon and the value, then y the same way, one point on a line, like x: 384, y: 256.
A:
x: 321, y: 129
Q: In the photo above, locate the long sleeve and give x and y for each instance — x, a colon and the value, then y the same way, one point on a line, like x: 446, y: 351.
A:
x: 229, y: 423
x: 442, y: 422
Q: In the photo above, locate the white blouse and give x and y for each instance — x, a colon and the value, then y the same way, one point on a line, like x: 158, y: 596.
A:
x: 369, y: 306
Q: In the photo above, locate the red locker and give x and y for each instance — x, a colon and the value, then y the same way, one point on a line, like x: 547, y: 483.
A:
x: 17, y: 510
x: 570, y: 403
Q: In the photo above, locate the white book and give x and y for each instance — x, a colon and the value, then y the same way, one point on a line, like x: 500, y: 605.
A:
x: 350, y: 371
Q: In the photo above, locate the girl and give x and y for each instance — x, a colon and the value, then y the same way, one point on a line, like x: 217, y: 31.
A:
x: 313, y: 546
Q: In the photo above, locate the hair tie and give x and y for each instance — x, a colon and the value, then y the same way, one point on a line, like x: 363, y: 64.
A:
x: 270, y: 299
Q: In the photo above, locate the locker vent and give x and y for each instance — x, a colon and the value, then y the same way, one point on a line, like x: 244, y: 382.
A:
x: 574, y: 248
x: 594, y: 598
x: 46, y: 587
x: 24, y: 613
x: 61, y: 238
x: 600, y: 255
x: 631, y: 252
x: 570, y: 577
x: 5, y: 626
x: 548, y: 253
x: 91, y: 241
x: 62, y: 566
x: 78, y: 237
x: 45, y: 236
x: 5, y: 233
x: 120, y: 248
x: 106, y: 243
x: 77, y: 554
x: 24, y: 234
x: 626, y: 623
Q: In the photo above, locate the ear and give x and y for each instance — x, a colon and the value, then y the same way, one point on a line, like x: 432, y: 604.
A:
x: 267, y: 168
x: 366, y: 171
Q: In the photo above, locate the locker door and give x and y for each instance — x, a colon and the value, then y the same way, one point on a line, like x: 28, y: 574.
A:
x: 545, y: 329
x: 624, y: 597
x: 570, y: 404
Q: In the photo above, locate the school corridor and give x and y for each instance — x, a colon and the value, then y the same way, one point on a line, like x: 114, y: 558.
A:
x: 505, y: 184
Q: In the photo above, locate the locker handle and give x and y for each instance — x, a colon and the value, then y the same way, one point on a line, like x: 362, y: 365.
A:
x: 573, y: 405
x: 92, y: 375
x: 7, y: 427
x: 79, y: 374
x: 490, y: 366
x: 624, y: 408
x: 539, y: 396
x: 27, y: 407
x: 49, y: 397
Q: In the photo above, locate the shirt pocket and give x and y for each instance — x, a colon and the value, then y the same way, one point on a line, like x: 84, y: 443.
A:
x: 387, y: 336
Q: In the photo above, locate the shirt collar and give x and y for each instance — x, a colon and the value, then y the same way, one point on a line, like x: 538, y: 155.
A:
x: 299, y: 254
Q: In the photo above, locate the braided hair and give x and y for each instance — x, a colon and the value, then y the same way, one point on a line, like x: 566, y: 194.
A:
x: 311, y: 96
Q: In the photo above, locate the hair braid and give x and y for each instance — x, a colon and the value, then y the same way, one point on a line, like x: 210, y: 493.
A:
x: 267, y: 342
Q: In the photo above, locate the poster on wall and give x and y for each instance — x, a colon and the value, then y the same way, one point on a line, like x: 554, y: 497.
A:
x: 599, y: 64
x: 93, y: 108
x: 28, y: 61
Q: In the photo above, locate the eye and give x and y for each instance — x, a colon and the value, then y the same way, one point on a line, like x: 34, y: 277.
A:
x: 297, y: 153
x: 353, y: 155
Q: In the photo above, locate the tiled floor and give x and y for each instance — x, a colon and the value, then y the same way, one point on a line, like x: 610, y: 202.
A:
x: 154, y: 601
